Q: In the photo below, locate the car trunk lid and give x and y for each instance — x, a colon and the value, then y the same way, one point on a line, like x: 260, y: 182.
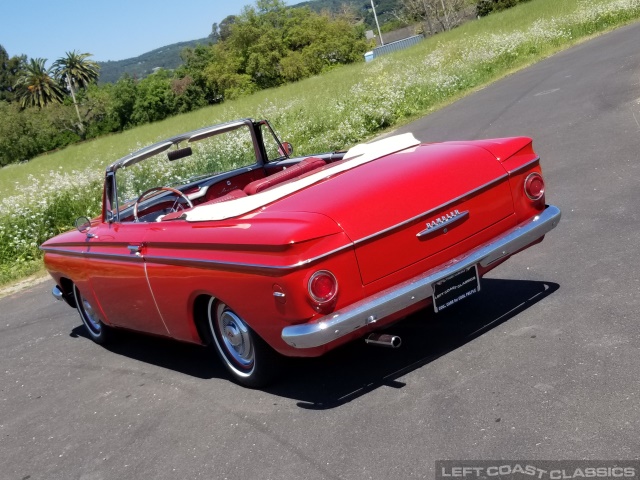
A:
x: 405, y: 207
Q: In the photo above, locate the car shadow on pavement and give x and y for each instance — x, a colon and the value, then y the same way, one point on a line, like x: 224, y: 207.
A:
x: 356, y: 368
x: 189, y: 359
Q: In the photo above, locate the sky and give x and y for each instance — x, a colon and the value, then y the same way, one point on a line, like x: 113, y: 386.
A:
x: 108, y: 29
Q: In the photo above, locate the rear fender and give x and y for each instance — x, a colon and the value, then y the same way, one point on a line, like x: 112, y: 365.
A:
x: 519, y: 166
x: 519, y: 160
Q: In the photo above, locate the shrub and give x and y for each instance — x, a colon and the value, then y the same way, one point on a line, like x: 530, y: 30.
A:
x: 485, y: 7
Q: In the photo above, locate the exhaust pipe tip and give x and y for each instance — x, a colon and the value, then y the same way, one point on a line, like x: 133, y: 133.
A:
x: 383, y: 340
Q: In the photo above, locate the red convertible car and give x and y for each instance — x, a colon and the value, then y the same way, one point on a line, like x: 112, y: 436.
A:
x: 220, y: 236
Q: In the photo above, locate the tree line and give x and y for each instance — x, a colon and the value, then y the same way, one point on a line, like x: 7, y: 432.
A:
x: 269, y: 44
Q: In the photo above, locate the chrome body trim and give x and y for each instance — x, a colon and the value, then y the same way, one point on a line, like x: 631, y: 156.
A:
x: 524, y: 166
x: 450, y: 220
x: 232, y: 266
x: 57, y: 293
x: 197, y: 263
x: 131, y: 257
x: 445, y: 205
x: 280, y: 269
x: 135, y: 249
x: 63, y: 251
x: 387, y: 302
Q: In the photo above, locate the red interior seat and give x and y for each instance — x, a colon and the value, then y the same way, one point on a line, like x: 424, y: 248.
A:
x: 305, y: 166
x: 232, y: 195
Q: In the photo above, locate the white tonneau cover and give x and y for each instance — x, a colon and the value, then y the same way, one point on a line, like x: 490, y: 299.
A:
x: 358, y: 155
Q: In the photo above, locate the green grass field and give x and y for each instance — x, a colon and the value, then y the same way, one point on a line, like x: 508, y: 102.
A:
x: 345, y: 106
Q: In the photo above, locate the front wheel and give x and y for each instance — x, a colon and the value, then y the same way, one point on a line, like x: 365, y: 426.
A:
x: 97, y: 330
x: 245, y: 355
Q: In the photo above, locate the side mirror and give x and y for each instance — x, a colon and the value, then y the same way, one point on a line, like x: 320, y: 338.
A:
x: 83, y: 224
x: 288, y: 148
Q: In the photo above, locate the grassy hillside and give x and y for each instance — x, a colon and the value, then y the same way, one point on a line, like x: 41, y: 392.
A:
x: 336, y: 110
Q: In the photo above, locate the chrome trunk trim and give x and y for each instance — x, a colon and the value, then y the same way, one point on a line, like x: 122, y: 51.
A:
x: 446, y: 224
x: 387, y: 302
x: 423, y: 215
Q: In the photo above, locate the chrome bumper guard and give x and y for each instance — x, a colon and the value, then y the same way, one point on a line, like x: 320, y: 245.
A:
x: 387, y: 302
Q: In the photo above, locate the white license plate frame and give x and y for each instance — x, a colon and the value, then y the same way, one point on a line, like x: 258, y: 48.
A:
x: 449, y: 291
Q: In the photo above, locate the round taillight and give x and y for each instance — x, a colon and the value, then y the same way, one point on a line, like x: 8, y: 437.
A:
x: 534, y: 186
x: 323, y: 286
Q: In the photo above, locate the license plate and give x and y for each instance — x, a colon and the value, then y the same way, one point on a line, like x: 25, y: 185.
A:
x: 458, y: 286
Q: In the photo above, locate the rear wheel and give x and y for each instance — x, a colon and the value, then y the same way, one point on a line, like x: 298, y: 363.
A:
x: 97, y: 330
x: 245, y: 355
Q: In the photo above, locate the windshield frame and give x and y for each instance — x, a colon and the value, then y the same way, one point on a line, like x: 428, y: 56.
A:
x: 112, y: 208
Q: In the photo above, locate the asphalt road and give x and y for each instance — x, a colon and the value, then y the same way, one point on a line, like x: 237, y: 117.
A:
x: 542, y: 365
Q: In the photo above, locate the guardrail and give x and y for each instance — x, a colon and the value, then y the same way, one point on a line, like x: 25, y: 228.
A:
x: 393, y: 47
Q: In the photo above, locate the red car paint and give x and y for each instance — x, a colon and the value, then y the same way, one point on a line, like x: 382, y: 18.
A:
x: 361, y: 225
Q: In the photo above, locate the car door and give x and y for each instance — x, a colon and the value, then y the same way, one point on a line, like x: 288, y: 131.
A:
x: 118, y: 277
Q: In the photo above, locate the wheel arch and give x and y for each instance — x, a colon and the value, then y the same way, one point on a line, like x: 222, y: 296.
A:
x: 67, y: 289
x: 200, y: 317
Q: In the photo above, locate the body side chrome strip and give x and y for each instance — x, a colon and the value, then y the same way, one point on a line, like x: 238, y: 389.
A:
x: 199, y: 263
x: 65, y: 251
x: 236, y: 266
x: 524, y: 166
x: 279, y: 269
x: 132, y: 257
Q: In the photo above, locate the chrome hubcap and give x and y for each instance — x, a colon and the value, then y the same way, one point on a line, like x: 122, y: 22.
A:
x: 236, y: 338
x: 90, y: 317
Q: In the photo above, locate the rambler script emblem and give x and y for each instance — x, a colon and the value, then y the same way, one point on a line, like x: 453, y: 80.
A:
x: 443, y: 222
x: 443, y: 219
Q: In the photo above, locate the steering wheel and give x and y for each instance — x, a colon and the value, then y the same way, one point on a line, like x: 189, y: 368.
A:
x: 174, y: 208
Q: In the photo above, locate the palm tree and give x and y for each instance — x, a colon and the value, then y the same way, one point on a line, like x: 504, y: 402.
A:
x: 77, y: 72
x: 37, y: 86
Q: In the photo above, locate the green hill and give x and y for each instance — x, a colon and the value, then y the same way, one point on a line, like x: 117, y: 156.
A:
x: 167, y: 57
x: 362, y: 8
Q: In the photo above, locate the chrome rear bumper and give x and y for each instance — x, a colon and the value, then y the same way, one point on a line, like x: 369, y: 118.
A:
x: 399, y: 297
